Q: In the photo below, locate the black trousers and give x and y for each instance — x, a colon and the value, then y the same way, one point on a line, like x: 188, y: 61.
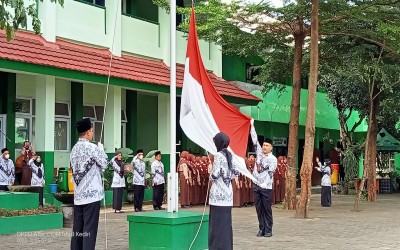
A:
x: 220, y: 236
x: 4, y: 188
x: 117, y: 198
x: 326, y: 199
x: 18, y: 177
x: 39, y: 190
x: 86, y: 222
x: 138, y: 196
x: 263, y: 202
x: 158, y: 195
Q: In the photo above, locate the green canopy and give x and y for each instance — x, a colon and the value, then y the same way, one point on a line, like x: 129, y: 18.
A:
x: 386, y: 142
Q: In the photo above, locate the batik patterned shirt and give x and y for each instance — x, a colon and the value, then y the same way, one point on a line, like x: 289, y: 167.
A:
x: 157, y: 171
x: 221, y: 193
x: 88, y: 161
x: 267, y: 162
x: 326, y: 171
x: 139, y: 171
x: 117, y: 180
x: 36, y: 181
x: 7, y: 172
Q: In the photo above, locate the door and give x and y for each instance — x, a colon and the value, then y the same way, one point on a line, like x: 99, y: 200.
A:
x: 3, y: 137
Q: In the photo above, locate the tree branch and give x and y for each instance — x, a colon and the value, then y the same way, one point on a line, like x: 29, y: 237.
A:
x: 380, y: 44
x: 358, y: 123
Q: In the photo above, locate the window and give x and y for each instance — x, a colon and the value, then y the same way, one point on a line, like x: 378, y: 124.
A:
x: 22, y: 131
x: 23, y: 106
x: 89, y: 112
x: 62, y: 109
x: 23, y: 121
x: 96, y: 114
x: 61, y: 135
x: 62, y: 127
x: 251, y: 73
x: 96, y: 2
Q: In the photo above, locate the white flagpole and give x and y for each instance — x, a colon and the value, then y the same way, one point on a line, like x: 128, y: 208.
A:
x: 172, y: 176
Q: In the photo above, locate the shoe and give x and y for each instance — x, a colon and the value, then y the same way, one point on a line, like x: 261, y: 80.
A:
x: 136, y: 210
x: 260, y: 233
x: 156, y: 208
x: 161, y: 208
x: 140, y: 209
x: 268, y: 235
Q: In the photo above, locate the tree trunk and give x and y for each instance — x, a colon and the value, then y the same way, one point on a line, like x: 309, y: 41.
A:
x: 370, y: 151
x: 307, y: 165
x: 290, y: 193
x: 360, y: 189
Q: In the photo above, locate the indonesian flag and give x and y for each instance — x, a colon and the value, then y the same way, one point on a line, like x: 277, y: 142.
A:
x: 204, y: 113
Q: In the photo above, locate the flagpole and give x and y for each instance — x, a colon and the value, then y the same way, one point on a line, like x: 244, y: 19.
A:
x: 172, y: 191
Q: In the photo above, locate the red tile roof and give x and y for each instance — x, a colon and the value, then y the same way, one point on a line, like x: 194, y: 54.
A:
x: 30, y: 48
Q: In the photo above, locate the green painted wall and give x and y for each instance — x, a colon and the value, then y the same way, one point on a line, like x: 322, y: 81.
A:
x: 145, y: 9
x: 147, y: 125
x: 234, y: 67
x: 397, y: 162
x: 132, y: 117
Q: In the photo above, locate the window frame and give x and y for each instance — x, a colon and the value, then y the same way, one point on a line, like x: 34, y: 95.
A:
x: 68, y: 120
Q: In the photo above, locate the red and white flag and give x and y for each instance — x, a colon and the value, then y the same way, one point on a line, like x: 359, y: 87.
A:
x: 204, y: 113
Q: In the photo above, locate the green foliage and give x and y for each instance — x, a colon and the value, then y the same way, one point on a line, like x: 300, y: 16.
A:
x: 14, y: 15
x: 40, y: 210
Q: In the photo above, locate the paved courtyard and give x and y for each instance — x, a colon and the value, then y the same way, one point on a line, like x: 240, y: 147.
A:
x: 377, y: 226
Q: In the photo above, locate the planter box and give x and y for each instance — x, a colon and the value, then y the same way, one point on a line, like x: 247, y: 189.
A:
x: 170, y: 227
x: 37, y: 222
x: 19, y: 200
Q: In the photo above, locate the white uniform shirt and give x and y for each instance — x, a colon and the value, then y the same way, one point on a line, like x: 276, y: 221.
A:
x: 35, y: 180
x: 7, y: 172
x: 157, y: 171
x: 117, y: 181
x: 139, y: 171
x: 88, y: 162
x: 221, y: 193
x: 326, y: 178
x: 268, y: 163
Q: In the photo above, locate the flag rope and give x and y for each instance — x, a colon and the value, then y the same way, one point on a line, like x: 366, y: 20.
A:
x: 102, y: 124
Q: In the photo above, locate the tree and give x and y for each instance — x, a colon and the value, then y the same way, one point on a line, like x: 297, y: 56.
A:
x: 14, y: 14
x: 259, y: 29
x: 373, y: 73
x: 307, y: 165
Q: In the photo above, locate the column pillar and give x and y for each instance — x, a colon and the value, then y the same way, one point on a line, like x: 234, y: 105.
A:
x: 76, y: 109
x: 8, y: 82
x: 113, y: 26
x: 112, y: 121
x: 44, y: 125
x: 47, y: 14
x: 132, y: 117
x: 163, y: 129
x: 164, y: 21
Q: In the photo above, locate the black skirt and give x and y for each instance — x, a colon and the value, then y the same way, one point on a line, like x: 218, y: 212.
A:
x: 326, y: 199
x: 117, y: 198
x: 220, y: 236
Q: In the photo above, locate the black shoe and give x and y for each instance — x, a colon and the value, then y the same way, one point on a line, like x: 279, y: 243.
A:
x: 268, y: 235
x: 156, y: 208
x: 136, y: 210
x: 140, y: 209
x: 260, y: 233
